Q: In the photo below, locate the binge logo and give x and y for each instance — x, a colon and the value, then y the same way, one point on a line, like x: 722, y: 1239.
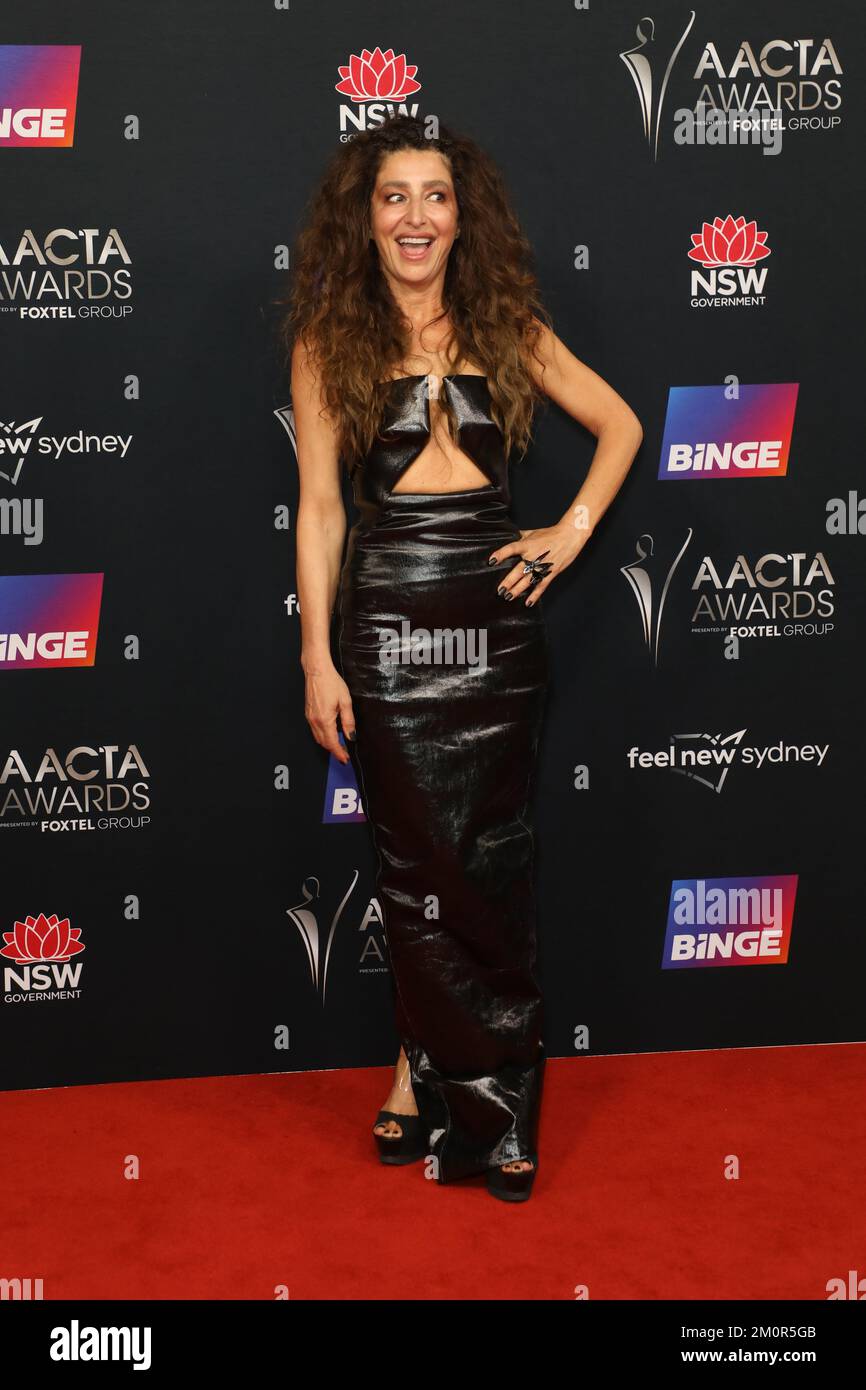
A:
x: 342, y: 798
x: 49, y: 620
x: 709, y: 434
x: 729, y: 921
x: 38, y: 91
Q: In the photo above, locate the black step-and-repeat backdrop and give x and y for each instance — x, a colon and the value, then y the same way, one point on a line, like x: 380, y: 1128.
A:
x: 188, y: 882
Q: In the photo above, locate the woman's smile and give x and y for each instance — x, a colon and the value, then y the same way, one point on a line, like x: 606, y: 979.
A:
x: 414, y: 248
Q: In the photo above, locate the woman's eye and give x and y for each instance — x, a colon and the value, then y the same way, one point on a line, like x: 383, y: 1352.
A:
x: 438, y: 193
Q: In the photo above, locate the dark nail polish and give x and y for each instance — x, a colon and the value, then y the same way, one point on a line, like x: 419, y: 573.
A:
x: 492, y: 560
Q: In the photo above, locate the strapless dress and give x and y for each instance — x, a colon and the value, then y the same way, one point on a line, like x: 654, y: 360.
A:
x: 448, y: 684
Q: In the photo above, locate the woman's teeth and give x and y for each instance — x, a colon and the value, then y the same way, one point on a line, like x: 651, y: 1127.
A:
x: 414, y: 248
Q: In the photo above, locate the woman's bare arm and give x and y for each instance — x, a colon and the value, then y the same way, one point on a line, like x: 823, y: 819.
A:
x: 320, y: 534
x: 589, y: 399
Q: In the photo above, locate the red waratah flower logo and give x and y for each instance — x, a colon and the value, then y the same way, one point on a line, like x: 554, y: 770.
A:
x: 378, y: 76
x: 729, y: 241
x: 42, y: 938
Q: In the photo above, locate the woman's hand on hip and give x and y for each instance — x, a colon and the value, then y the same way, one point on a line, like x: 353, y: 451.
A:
x: 553, y: 546
x: 327, y: 696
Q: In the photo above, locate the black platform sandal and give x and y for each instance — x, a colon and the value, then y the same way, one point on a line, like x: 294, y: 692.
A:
x: 407, y: 1147
x: 515, y: 1186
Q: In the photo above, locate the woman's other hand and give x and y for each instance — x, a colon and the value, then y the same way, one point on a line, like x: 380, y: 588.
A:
x: 327, y: 697
x: 555, y: 546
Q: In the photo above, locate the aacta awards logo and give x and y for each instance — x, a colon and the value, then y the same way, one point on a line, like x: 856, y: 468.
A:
x: 379, y: 83
x: 775, y: 594
x: 66, y: 274
x: 42, y: 949
x: 74, y: 790
x: 769, y: 87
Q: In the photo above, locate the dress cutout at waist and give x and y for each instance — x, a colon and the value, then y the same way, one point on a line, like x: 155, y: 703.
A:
x: 405, y: 431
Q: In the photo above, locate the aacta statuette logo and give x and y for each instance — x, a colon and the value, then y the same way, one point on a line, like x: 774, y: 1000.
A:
x: 651, y: 588
x: 286, y: 416
x: 42, y: 949
x: 650, y: 66
x: 379, y: 82
x: 318, y: 948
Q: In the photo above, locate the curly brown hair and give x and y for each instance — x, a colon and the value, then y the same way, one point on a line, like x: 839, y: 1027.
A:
x: 340, y: 306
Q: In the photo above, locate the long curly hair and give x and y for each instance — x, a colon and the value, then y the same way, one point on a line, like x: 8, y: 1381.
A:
x: 340, y: 305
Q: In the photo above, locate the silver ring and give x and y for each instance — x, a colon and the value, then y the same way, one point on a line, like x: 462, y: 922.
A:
x: 537, y: 568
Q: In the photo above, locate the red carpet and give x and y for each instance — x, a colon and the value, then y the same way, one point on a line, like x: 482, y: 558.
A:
x: 252, y: 1182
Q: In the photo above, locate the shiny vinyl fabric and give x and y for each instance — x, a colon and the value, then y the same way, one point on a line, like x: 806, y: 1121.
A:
x: 444, y: 756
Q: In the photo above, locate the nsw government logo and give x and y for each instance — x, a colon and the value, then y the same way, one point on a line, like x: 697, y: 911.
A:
x: 378, y: 82
x: 730, y: 252
x: 43, y: 951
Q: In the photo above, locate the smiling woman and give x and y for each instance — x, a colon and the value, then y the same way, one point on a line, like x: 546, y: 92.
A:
x: 346, y: 299
x: 393, y: 193
x: 419, y: 350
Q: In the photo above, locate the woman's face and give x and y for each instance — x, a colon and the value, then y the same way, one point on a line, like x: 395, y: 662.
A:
x: 414, y: 198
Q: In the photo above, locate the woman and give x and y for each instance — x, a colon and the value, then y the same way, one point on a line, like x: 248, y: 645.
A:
x: 419, y: 349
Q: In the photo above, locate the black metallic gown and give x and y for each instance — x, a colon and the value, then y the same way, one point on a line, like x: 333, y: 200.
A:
x: 444, y: 756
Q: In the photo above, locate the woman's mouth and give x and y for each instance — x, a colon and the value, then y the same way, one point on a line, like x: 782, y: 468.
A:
x: 414, y: 248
